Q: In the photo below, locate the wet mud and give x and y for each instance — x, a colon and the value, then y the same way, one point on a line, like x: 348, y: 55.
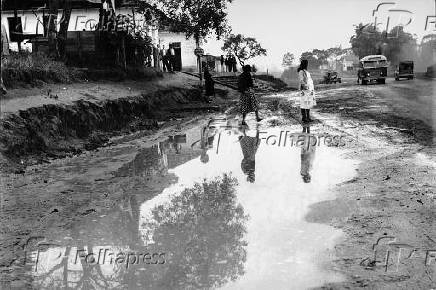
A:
x: 204, y: 206
x: 57, y: 130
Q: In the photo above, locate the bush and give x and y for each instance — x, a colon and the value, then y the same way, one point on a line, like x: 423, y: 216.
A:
x: 275, y: 82
x: 25, y: 67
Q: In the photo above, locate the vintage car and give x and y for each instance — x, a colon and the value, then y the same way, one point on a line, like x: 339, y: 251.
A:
x: 331, y: 77
x: 404, y: 70
x: 372, y: 68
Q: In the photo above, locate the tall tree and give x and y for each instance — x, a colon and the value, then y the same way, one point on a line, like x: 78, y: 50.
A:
x: 312, y: 58
x: 196, y: 18
x: 63, y: 27
x: 288, y: 60
x: 366, y: 40
x: 53, y: 6
x: 243, y: 47
x: 400, y: 45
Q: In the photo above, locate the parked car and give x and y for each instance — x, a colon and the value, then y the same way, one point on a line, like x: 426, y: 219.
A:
x: 331, y: 77
x: 404, y: 70
x: 431, y: 71
x: 372, y: 68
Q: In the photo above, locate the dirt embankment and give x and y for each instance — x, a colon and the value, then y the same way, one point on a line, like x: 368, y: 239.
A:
x: 57, y: 130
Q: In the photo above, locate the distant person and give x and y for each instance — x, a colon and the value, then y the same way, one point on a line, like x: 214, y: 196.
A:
x: 307, y: 100
x: 230, y: 63
x: 209, y: 85
x: 104, y: 14
x: 172, y: 58
x: 4, y: 53
x: 169, y: 61
x: 164, y: 59
x: 222, y: 61
x: 234, y: 64
x: 307, y: 156
x: 248, y: 102
x: 249, y: 146
x: 227, y: 63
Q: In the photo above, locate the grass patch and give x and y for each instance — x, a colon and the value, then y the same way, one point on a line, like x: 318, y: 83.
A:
x: 26, y: 68
x: 275, y: 82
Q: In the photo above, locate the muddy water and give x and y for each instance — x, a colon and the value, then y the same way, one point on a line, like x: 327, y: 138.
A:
x: 227, y: 212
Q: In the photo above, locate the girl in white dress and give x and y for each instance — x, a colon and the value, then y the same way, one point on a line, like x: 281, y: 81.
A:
x: 307, y: 89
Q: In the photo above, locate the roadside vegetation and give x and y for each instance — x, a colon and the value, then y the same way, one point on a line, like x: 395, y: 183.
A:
x: 36, y: 69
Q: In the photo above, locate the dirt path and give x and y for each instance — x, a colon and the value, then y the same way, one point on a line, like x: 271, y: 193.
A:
x: 391, y: 197
x: 390, y: 207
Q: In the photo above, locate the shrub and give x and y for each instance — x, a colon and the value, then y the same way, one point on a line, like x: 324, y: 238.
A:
x: 25, y: 67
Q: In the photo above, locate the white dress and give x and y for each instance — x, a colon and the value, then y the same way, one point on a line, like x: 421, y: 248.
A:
x: 307, y: 100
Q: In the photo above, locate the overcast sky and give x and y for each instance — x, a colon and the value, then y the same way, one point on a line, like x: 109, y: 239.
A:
x: 301, y: 25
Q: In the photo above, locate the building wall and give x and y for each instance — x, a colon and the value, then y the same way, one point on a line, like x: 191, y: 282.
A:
x: 87, y: 19
x: 189, y: 60
x: 81, y: 19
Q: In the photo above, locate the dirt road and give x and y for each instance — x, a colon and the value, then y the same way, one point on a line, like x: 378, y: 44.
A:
x: 211, y: 204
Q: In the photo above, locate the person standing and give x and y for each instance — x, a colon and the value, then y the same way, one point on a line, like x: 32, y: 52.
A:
x: 234, y: 64
x: 163, y: 57
x: 209, y: 85
x: 248, y: 102
x: 4, y: 53
x: 307, y: 100
x: 172, y: 58
x: 168, y: 58
x: 222, y: 63
x: 227, y: 63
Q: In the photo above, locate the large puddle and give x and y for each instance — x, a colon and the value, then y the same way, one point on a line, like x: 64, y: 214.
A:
x: 232, y: 216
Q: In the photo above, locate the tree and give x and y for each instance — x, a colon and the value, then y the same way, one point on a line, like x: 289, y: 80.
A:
x: 63, y: 28
x: 312, y: 59
x: 196, y: 18
x: 53, y: 6
x: 395, y: 44
x: 243, y: 47
x: 400, y: 45
x: 288, y: 60
x: 366, y: 41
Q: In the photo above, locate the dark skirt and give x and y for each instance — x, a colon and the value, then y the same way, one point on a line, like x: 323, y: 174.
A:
x: 248, y: 102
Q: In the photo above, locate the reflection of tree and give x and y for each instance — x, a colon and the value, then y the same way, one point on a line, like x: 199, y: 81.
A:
x: 201, y: 231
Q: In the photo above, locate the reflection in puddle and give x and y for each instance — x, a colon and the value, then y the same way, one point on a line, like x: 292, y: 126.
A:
x: 234, y: 218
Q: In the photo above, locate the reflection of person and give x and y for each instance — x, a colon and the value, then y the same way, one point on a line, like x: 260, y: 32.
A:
x: 248, y: 102
x: 307, y: 89
x: 307, y: 156
x: 209, y: 84
x: 249, y: 146
x: 206, y: 143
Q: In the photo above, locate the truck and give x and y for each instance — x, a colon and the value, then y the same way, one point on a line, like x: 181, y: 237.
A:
x: 372, y: 68
x: 404, y: 70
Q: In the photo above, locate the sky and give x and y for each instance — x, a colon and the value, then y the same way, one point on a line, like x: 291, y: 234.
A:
x: 297, y: 26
